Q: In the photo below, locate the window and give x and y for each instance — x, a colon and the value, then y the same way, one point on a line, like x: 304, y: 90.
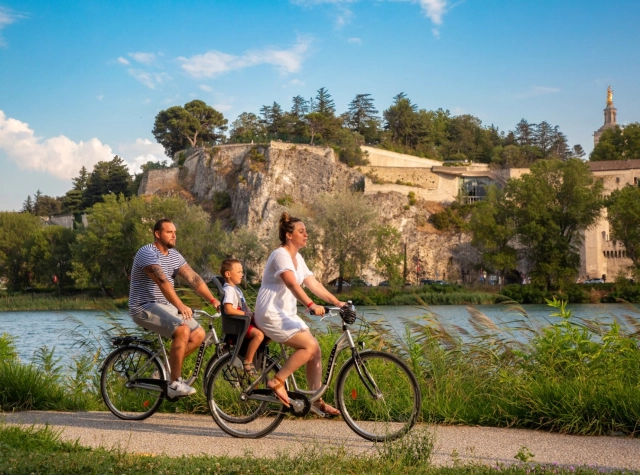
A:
x: 617, y: 179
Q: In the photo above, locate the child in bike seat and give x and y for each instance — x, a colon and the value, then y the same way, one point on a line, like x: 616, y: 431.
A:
x: 235, y: 304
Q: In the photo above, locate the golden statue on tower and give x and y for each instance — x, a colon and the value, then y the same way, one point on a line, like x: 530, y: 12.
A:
x: 609, y: 96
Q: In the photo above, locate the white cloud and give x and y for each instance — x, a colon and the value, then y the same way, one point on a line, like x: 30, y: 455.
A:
x: 537, y: 91
x: 144, y: 58
x: 58, y: 156
x: 122, y: 60
x: 149, y: 79
x: 222, y: 107
x: 142, y: 151
x: 62, y: 157
x: 355, y: 41
x: 100, y: 97
x: 434, y: 9
x: 205, y: 88
x: 7, y: 17
x: 344, y: 13
x: 215, y: 63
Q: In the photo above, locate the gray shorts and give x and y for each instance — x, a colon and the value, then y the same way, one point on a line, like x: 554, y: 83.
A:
x: 163, y: 319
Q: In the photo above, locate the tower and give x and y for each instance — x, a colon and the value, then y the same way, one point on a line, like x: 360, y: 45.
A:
x: 609, y: 117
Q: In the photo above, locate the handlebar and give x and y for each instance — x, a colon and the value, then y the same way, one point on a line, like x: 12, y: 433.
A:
x: 346, y: 313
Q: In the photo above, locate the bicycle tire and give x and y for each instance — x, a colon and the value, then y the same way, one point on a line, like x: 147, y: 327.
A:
x: 248, y: 418
x: 119, y: 367
x: 394, y: 412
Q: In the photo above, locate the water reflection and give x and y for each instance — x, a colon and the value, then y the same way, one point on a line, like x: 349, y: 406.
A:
x: 38, y: 328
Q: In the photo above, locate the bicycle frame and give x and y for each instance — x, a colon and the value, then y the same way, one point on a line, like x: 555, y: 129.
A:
x: 342, y: 343
x: 160, y: 385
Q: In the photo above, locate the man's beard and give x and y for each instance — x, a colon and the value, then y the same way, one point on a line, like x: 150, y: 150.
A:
x: 170, y: 245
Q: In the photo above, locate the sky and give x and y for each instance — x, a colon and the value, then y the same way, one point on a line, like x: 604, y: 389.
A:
x: 82, y: 81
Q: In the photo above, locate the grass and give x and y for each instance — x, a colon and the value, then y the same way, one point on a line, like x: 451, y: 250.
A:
x: 429, y: 294
x: 54, y: 302
x: 570, y: 376
x: 40, y: 450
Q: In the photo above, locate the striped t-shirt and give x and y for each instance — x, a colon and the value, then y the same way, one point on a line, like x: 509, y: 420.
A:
x: 144, y: 291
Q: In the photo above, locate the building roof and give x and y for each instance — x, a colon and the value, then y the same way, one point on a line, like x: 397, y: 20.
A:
x: 604, y: 165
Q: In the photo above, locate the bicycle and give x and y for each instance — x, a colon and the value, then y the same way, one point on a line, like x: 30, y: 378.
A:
x: 134, y: 377
x: 376, y: 392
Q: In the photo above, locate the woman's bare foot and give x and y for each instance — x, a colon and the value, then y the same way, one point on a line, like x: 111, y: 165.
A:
x: 327, y: 408
x: 277, y: 386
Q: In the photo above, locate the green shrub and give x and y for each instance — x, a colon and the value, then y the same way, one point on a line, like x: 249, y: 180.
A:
x: 221, y: 200
x: 8, y: 351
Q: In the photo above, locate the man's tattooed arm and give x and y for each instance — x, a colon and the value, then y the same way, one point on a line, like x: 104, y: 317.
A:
x: 155, y: 273
x: 190, y: 276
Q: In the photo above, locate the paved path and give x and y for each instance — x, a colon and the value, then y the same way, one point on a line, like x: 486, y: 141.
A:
x: 177, y: 434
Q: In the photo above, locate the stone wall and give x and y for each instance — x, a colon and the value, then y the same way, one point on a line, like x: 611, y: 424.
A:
x: 419, y: 177
x: 160, y: 182
x: 385, y: 158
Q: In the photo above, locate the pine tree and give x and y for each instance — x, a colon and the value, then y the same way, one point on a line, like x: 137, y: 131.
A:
x: 324, y: 104
x: 362, y: 113
x: 27, y: 206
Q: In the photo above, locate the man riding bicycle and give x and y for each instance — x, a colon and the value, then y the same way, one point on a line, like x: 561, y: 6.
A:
x: 154, y: 304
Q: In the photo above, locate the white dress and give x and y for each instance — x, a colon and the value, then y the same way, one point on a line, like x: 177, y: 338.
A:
x: 276, y: 313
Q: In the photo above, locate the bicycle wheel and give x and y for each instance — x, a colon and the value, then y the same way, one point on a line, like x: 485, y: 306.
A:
x: 121, y: 368
x: 234, y: 413
x: 382, y: 401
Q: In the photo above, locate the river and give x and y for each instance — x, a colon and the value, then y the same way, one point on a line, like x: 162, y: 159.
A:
x: 34, y: 329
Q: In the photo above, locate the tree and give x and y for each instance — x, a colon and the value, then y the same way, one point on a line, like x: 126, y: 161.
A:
x: 271, y: 118
x: 623, y: 213
x: 400, y: 119
x: 389, y: 252
x: 346, y: 224
x: 245, y: 246
x: 323, y: 103
x: 74, y: 198
x: 27, y: 205
x: 317, y: 124
x: 48, y: 253
x: 15, y: 230
x: 196, y: 123
x: 552, y: 206
x: 618, y: 144
x: 362, y: 117
x: 247, y: 128
x: 299, y: 107
x: 493, y: 228
x: 110, y: 177
x: 103, y: 252
x: 577, y: 151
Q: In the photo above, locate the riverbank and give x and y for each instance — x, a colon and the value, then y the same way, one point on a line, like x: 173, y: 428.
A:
x: 559, y: 373
x: 36, y: 301
x: 436, y: 294
x: 169, y: 443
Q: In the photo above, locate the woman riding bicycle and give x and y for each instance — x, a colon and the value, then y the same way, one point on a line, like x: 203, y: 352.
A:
x: 276, y: 312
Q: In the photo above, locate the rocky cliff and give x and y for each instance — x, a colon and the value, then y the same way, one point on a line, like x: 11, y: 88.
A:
x: 262, y: 181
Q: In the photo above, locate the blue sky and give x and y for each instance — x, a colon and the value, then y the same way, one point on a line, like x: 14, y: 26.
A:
x: 81, y: 81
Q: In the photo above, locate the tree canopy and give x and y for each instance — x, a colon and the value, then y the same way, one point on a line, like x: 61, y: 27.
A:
x: 177, y: 127
x: 623, y: 213
x: 618, y: 144
x: 546, y: 212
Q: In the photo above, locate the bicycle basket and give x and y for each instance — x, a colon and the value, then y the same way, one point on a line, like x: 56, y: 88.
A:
x: 348, y: 314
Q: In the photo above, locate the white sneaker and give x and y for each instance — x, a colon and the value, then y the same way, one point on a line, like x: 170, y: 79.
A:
x: 179, y: 388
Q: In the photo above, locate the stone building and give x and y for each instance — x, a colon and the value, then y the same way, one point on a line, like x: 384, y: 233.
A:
x: 609, y: 117
x: 601, y: 256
